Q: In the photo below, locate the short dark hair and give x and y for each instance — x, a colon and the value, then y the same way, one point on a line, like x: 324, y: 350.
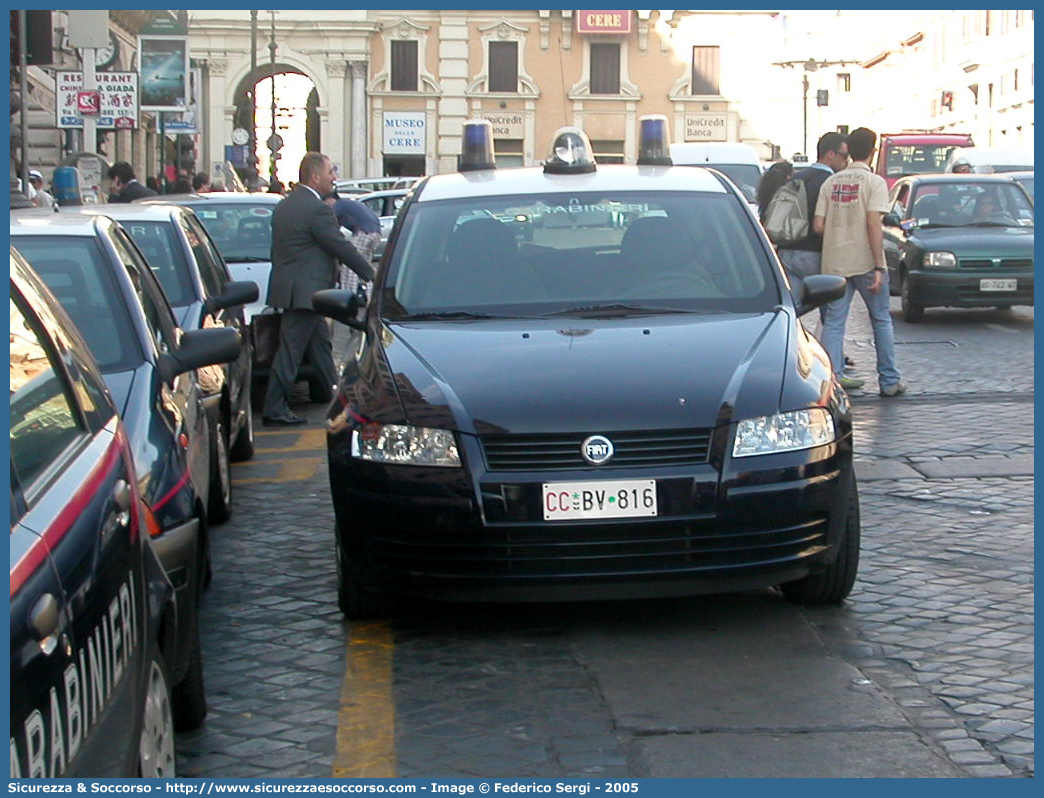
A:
x: 861, y: 142
x: 123, y: 170
x: 199, y: 180
x: 829, y: 142
x: 310, y: 165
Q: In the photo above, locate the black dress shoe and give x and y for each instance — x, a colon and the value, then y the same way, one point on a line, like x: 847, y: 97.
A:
x: 283, y: 420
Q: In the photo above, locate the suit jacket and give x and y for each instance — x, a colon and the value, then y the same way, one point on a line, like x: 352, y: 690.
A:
x: 133, y: 191
x: 306, y: 245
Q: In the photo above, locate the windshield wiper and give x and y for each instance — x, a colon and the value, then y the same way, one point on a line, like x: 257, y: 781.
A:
x: 454, y: 314
x: 619, y: 308
x: 933, y: 224
x: 245, y: 259
x: 985, y: 223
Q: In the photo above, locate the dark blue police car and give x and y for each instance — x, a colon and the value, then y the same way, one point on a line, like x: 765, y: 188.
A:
x: 618, y: 401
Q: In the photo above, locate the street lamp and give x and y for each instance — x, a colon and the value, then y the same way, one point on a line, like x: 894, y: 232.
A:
x: 274, y: 141
x: 808, y: 65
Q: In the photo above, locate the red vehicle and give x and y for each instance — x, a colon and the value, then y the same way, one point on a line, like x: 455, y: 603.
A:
x: 916, y: 153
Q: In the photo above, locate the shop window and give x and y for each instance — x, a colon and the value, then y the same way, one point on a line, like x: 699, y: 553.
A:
x: 508, y: 153
x: 605, y: 68
x: 706, y: 70
x: 404, y: 66
x: 503, y: 66
x: 844, y: 81
x: 608, y: 151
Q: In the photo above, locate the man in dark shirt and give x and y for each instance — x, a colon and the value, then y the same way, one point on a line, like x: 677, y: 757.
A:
x: 125, y: 186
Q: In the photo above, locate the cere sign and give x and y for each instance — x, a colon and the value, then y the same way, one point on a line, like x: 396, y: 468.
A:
x: 117, y: 99
x: 404, y: 132
x: 603, y: 22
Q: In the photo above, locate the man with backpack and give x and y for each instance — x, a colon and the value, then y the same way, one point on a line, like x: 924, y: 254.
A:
x: 802, y: 257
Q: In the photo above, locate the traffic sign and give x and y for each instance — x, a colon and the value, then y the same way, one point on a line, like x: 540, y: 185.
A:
x: 88, y: 103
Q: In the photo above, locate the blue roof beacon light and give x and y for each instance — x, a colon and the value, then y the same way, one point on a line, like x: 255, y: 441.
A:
x: 570, y: 153
x: 477, y: 150
x: 654, y: 144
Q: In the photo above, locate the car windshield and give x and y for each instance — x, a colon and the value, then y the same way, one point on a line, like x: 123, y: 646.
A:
x: 917, y: 159
x: 242, y: 232
x: 166, y: 257
x: 1027, y: 183
x: 579, y: 253
x: 76, y: 271
x: 959, y: 204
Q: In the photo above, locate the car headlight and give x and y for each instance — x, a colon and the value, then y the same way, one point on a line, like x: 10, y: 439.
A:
x: 940, y: 260
x: 783, y: 432
x: 405, y: 445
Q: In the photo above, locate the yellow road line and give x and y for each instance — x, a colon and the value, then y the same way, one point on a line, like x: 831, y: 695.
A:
x: 296, y: 469
x: 366, y: 722
x: 306, y: 439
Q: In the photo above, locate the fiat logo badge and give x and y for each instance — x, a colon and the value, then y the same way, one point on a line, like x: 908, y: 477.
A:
x: 597, y: 450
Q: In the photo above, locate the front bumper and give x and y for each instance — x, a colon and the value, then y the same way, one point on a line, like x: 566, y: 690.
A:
x: 960, y: 289
x: 474, y: 535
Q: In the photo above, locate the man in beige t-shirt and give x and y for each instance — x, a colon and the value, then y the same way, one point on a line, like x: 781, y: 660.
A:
x: 848, y: 215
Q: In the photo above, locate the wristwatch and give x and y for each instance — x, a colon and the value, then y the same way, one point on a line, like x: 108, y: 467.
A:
x: 879, y: 268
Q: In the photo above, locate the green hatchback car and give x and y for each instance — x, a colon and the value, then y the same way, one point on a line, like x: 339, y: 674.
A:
x: 959, y: 240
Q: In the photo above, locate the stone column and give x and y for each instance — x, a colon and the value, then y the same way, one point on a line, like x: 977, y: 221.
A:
x: 333, y: 119
x: 358, y: 120
x: 219, y: 117
x: 453, y: 105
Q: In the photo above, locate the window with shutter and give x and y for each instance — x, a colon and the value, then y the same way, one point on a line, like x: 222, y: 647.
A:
x: 605, y: 68
x: 404, y: 66
x: 503, y: 66
x: 705, y: 70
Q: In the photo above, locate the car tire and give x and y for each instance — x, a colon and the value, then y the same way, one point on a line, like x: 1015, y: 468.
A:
x: 156, y: 741
x: 243, y: 448
x: 835, y: 583
x: 219, y: 495
x: 318, y: 391
x: 355, y: 601
x: 912, y: 312
x: 189, y: 696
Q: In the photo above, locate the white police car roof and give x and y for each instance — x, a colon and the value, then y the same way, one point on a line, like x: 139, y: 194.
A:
x: 45, y: 221
x: 533, y: 180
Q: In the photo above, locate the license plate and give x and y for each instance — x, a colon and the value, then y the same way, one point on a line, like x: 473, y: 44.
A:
x: 998, y: 285
x: 578, y: 501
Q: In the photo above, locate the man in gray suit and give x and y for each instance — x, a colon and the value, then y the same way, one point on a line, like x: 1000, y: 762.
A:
x: 306, y: 247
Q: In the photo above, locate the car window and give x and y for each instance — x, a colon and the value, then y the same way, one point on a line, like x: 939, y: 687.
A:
x: 545, y: 253
x: 240, y: 232
x: 157, y: 312
x: 207, y: 260
x: 78, y: 274
x: 747, y: 177
x: 917, y: 159
x: 971, y: 203
x: 159, y: 244
x: 45, y: 421
x: 902, y: 194
x: 214, y: 261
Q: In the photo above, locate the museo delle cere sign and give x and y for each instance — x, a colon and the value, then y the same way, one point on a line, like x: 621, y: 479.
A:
x: 603, y: 21
x: 404, y: 132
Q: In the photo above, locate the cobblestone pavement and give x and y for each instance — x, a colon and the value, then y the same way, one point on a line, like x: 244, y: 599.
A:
x: 940, y: 624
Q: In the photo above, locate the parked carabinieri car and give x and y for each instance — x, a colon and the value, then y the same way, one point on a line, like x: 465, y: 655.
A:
x: 596, y: 413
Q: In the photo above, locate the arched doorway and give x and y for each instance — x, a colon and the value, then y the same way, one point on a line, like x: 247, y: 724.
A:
x: 295, y: 113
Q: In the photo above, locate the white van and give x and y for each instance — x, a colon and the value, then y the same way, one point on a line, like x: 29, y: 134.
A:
x: 988, y: 160
x: 739, y: 162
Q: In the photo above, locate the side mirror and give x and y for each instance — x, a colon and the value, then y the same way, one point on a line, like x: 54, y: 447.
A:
x: 200, y: 348
x: 818, y: 289
x: 239, y: 292
x: 891, y: 220
x: 339, y: 305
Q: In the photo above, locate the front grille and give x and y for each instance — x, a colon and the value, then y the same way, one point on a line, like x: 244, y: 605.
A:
x: 559, y: 452
x: 579, y: 550
x: 1002, y: 264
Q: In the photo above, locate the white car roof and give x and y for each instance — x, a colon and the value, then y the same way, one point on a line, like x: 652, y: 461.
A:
x: 533, y: 180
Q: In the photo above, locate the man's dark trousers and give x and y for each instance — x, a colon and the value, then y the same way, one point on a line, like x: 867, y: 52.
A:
x: 301, y: 332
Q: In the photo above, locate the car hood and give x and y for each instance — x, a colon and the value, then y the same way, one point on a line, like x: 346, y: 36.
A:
x: 977, y: 241
x: 579, y: 374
